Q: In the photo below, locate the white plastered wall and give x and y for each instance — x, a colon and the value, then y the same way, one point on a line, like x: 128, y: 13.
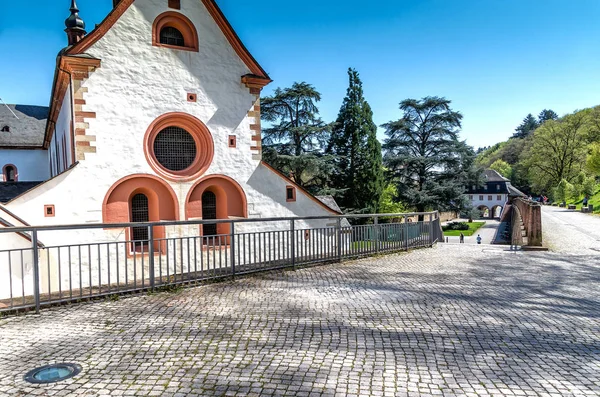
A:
x: 32, y: 164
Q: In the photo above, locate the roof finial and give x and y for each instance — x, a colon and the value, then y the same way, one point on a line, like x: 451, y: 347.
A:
x: 75, y: 25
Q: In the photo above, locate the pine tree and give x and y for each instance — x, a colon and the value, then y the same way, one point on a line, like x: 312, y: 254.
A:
x: 528, y: 125
x: 425, y: 159
x: 295, y: 141
x: 545, y: 115
x: 359, y: 178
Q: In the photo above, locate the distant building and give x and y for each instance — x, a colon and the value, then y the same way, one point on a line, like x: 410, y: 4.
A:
x: 491, y: 198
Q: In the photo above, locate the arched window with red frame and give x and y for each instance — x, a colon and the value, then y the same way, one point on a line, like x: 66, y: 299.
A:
x: 9, y: 173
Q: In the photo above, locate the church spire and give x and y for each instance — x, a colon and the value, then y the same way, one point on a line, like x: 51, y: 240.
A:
x: 75, y: 25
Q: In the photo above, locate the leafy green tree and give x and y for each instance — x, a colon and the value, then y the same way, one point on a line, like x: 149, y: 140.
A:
x: 546, y: 115
x: 502, y: 167
x: 388, y: 203
x: 593, y: 159
x: 295, y: 141
x: 354, y: 143
x: 561, y: 192
x: 424, y: 157
x: 558, y: 151
x: 588, y: 189
x: 528, y: 125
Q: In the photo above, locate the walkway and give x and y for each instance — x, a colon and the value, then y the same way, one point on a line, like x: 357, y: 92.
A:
x: 453, y: 320
x: 487, y: 232
x: 570, y: 231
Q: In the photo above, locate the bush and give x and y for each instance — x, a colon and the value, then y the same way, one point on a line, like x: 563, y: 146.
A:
x: 456, y: 226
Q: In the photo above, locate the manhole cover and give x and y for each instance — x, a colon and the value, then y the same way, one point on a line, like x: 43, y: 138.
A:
x: 52, y: 373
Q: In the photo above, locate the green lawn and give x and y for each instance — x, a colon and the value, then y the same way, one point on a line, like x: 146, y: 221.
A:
x: 473, y: 227
x: 594, y: 200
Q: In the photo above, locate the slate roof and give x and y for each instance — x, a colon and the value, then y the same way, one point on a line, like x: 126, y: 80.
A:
x: 331, y: 203
x: 10, y: 190
x: 513, y: 191
x: 494, y: 176
x: 26, y: 131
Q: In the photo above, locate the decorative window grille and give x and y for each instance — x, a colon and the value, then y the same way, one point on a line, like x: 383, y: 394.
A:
x: 209, y: 211
x: 171, y: 36
x: 139, y: 213
x: 175, y: 149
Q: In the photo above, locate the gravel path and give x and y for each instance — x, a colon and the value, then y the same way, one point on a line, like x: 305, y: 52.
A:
x: 453, y: 320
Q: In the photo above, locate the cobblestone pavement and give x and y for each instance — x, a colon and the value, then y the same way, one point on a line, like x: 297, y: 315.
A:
x: 570, y: 231
x: 453, y: 320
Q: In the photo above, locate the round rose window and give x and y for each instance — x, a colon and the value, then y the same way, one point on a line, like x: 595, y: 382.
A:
x: 175, y: 149
x: 178, y: 147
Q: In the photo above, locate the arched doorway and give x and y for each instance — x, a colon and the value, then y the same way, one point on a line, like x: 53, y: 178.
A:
x: 209, y: 212
x: 484, y: 211
x: 139, y: 213
x: 497, y: 212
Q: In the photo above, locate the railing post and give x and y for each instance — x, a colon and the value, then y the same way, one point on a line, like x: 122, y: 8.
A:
x: 293, y: 242
x: 151, y: 256
x: 338, y: 228
x: 36, y: 270
x: 406, y: 232
x: 376, y: 223
x: 232, y: 247
x: 431, y: 230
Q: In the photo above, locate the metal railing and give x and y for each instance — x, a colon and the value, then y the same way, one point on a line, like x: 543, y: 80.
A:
x: 78, y: 262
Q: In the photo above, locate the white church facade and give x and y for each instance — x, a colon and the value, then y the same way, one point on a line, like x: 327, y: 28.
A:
x: 154, y: 116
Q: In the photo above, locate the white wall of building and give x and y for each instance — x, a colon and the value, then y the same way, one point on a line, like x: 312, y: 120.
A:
x: 32, y: 165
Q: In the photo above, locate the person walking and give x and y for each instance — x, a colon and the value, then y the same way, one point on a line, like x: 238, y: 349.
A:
x: 478, y: 239
x: 462, y: 238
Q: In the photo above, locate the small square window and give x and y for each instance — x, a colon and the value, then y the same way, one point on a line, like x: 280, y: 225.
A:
x: 498, y: 187
x: 176, y: 4
x: 471, y: 197
x: 480, y: 198
x: 489, y: 198
x: 290, y: 193
x: 499, y: 197
x: 485, y: 187
x: 49, y: 211
x: 192, y: 97
x: 232, y: 141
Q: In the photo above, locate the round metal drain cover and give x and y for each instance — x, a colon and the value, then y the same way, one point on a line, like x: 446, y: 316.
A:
x: 52, y: 373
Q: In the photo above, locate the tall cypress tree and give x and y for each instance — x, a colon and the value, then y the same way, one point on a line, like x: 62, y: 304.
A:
x: 359, y: 178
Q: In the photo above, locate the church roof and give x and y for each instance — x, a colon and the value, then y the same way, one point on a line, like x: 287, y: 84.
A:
x: 26, y: 131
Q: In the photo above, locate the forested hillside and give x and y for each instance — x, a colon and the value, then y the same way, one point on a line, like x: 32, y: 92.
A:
x: 552, y: 156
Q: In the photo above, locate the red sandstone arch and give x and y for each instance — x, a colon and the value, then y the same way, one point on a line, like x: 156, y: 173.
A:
x: 180, y: 22
x: 162, y: 201
x: 231, y: 200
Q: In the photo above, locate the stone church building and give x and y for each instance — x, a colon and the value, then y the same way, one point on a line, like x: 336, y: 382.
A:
x: 154, y: 115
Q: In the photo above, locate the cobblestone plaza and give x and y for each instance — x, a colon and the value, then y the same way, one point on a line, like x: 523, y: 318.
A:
x: 450, y: 320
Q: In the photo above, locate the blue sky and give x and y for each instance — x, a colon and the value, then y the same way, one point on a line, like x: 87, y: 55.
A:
x: 497, y: 60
